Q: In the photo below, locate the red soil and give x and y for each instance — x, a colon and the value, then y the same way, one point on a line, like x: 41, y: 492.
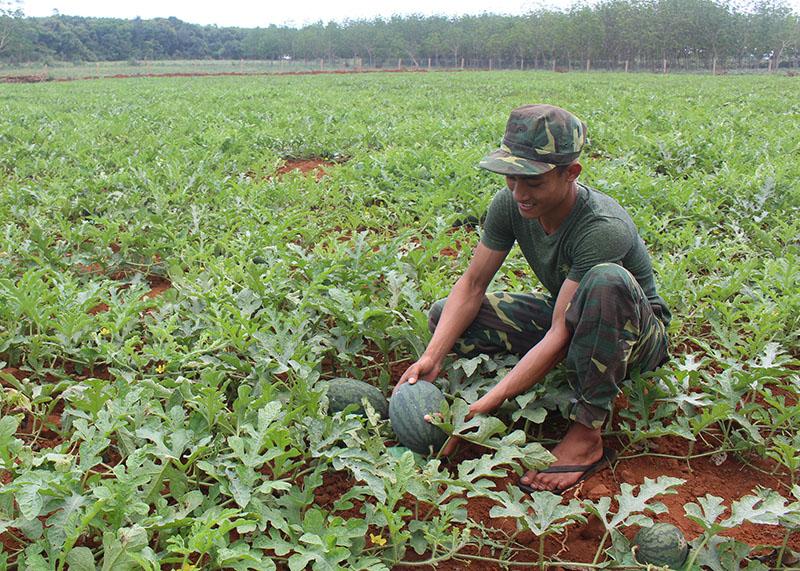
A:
x: 372, y: 365
x: 449, y: 252
x: 731, y: 480
x: 99, y: 308
x: 158, y: 285
x: 317, y: 166
x: 24, y: 79
x: 14, y: 372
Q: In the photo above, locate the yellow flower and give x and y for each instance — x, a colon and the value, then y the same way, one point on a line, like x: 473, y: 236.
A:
x: 105, y: 331
x: 161, y: 368
x: 377, y: 539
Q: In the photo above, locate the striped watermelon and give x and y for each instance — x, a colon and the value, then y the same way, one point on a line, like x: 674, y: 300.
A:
x: 407, y: 409
x: 662, y: 544
x: 343, y: 392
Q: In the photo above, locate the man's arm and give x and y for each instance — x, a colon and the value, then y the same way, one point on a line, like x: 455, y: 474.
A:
x: 462, y: 306
x: 538, y: 361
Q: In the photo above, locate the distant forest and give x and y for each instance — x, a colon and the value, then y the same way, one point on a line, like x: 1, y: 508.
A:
x: 610, y: 34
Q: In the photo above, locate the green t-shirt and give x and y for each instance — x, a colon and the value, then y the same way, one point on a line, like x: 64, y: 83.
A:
x: 598, y: 230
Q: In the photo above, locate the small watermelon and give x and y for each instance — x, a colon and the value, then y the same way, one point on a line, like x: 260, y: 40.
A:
x: 407, y: 410
x: 343, y: 392
x: 662, y: 544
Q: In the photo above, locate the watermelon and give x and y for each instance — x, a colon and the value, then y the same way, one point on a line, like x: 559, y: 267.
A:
x: 407, y: 409
x: 343, y: 392
x: 662, y: 544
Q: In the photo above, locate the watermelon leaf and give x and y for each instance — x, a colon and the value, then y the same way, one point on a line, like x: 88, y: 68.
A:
x: 621, y: 551
x: 765, y: 508
x: 480, y: 428
x: 706, y: 512
x: 470, y: 365
x: 542, y: 512
x: 530, y: 408
x: 720, y: 554
x: 81, y: 559
x: 768, y: 507
x: 631, y: 506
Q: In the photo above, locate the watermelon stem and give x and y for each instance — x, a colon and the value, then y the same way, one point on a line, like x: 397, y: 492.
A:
x: 541, y: 551
x: 433, y: 560
x: 782, y: 551
x: 686, y: 457
x: 693, y: 553
x: 600, y: 548
x: 507, y: 546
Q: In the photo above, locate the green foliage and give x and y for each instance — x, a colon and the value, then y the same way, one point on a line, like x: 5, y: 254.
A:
x: 187, y: 428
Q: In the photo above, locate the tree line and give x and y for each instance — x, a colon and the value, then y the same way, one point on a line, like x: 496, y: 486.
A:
x: 646, y: 34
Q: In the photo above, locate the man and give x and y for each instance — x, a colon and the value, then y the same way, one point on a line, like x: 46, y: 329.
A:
x: 603, y: 315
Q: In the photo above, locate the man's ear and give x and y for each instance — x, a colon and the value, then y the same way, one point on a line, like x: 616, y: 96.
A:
x: 573, y: 171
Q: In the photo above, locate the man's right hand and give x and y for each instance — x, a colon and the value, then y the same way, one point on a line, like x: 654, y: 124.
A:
x: 463, y: 304
x: 425, y: 368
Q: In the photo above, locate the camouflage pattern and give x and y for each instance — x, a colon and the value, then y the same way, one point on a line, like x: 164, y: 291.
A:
x: 614, y: 332
x: 537, y: 139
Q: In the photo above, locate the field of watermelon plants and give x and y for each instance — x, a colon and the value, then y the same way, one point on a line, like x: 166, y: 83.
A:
x: 174, y: 296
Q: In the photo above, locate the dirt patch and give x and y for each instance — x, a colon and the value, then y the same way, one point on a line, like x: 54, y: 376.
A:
x: 99, y: 308
x: 158, y: 285
x: 18, y: 374
x: 11, y: 543
x: 732, y: 479
x: 24, y: 79
x: 41, y: 78
x: 11, y: 540
x: 90, y: 269
x: 318, y: 166
x: 451, y: 251
x: 371, y: 361
x: 71, y: 369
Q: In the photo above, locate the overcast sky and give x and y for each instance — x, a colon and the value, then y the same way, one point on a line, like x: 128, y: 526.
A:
x: 250, y: 14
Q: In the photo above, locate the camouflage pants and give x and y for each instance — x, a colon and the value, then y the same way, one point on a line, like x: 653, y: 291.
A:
x: 613, y: 327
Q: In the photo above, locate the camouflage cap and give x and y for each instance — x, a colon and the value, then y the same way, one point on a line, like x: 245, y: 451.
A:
x: 538, y: 138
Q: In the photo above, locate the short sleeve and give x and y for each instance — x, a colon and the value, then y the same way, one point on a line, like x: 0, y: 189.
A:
x: 498, y: 231
x: 606, y: 240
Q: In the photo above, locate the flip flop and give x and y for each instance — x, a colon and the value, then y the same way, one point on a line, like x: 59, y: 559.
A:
x: 609, y: 455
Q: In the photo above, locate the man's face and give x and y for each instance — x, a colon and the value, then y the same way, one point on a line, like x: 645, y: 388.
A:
x: 541, y: 195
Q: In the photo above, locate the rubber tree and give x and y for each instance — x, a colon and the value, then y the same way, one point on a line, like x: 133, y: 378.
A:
x: 9, y: 10
x: 587, y: 32
x: 775, y: 29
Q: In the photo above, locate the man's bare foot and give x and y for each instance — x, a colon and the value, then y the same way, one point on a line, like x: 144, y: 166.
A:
x: 580, y: 446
